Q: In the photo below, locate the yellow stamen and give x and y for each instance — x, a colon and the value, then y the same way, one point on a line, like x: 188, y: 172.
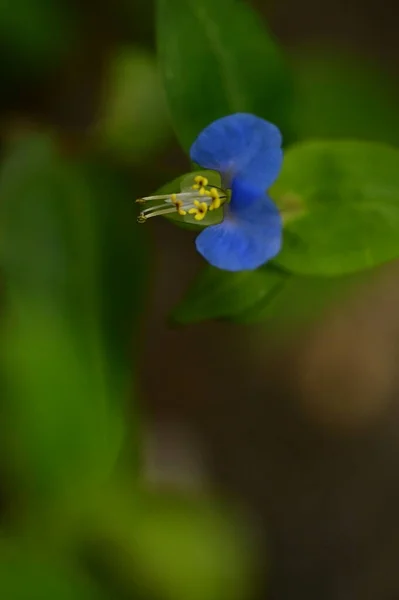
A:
x: 196, y: 203
x: 178, y: 203
x: 202, y: 181
x: 215, y: 199
x: 200, y: 210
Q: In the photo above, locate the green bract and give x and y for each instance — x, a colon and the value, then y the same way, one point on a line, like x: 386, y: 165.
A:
x: 181, y: 184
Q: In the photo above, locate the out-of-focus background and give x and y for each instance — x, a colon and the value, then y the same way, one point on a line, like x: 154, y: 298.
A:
x: 303, y: 431
x: 298, y: 429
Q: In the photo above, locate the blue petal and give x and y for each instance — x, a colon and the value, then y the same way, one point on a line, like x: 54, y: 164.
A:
x: 246, y: 239
x: 240, y: 145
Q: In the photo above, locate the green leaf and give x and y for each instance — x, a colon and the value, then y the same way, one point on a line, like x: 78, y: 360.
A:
x: 173, y: 545
x: 217, y: 58
x: 36, y: 34
x: 191, y: 548
x: 267, y: 295
x: 345, y: 201
x: 133, y: 122
x: 25, y: 574
x: 340, y: 95
x: 72, y: 269
x: 219, y: 294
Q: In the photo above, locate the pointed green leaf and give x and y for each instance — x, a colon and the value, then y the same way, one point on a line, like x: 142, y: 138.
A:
x: 218, y: 58
x: 267, y: 295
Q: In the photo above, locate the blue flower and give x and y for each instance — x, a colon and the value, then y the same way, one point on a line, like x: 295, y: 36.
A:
x: 246, y: 151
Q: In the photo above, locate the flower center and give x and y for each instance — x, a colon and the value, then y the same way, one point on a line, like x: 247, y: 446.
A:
x: 201, y: 198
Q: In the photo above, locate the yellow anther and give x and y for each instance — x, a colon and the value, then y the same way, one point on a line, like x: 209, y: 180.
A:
x: 215, y: 199
x: 201, y: 181
x: 200, y: 210
x: 178, y: 203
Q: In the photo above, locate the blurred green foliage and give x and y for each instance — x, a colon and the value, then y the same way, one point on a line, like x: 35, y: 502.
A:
x: 73, y: 260
x: 196, y: 541
x: 133, y: 121
x: 74, y: 266
x: 25, y: 573
x: 59, y: 232
x: 36, y: 35
x: 173, y: 545
x: 341, y: 95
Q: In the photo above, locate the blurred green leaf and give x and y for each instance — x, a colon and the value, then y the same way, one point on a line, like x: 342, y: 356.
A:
x: 267, y: 295
x: 191, y: 549
x: 25, y: 575
x: 344, y: 197
x: 133, y: 121
x: 36, y: 34
x: 174, y: 546
x: 136, y: 19
x: 219, y: 294
x: 339, y: 95
x: 123, y: 271
x: 217, y: 58
x: 72, y: 271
